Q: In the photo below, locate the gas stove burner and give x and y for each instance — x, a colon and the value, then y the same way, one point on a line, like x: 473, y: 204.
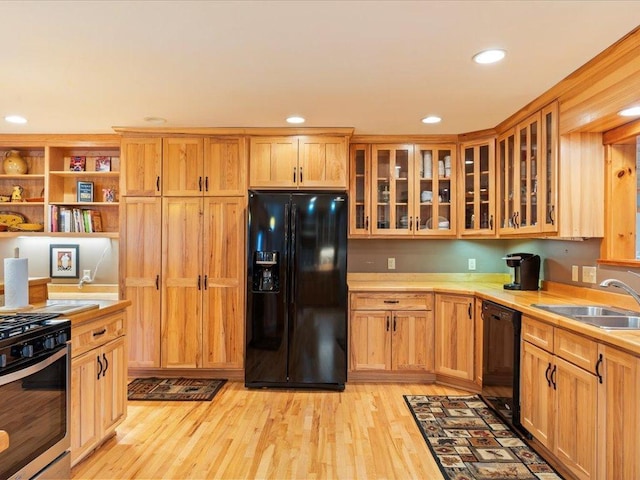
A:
x: 19, y: 323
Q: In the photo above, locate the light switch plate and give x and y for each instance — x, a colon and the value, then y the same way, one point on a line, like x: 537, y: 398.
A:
x: 575, y: 273
x: 391, y: 263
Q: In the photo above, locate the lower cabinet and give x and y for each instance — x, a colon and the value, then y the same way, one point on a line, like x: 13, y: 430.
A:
x: 391, y: 332
x: 579, y: 399
x: 98, y: 382
x: 455, y: 336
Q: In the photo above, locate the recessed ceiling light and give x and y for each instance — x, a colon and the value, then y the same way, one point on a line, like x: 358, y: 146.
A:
x: 630, y: 112
x: 155, y: 120
x: 15, y: 119
x: 431, y: 119
x: 489, y: 56
x: 295, y: 119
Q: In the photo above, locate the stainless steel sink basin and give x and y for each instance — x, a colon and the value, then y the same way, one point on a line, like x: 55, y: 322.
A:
x: 610, y: 318
x: 611, y: 322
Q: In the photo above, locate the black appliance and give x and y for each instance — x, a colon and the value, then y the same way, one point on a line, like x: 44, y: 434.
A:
x: 296, y: 324
x: 526, y: 271
x: 501, y: 361
x: 35, y: 373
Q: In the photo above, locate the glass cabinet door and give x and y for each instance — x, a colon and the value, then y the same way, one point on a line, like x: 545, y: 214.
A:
x: 506, y: 182
x: 391, y: 172
x: 528, y: 148
x: 549, y: 154
x: 434, y: 180
x: 360, y: 191
x: 478, y: 166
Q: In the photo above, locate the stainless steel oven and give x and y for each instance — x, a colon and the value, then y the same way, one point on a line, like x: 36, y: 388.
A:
x: 35, y: 383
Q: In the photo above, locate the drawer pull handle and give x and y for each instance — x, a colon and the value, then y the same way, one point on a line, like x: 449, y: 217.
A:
x: 546, y: 374
x: 391, y: 301
x: 101, y: 332
x: 387, y: 324
x: 99, y: 367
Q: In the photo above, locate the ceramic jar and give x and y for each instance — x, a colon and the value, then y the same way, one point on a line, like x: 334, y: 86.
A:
x: 13, y: 163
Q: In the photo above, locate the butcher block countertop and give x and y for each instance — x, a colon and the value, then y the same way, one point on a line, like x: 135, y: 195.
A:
x: 490, y: 287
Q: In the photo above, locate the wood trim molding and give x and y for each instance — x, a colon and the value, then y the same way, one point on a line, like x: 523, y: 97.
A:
x: 237, y: 131
x: 624, y: 134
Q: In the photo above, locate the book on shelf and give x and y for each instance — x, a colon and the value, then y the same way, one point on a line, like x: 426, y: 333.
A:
x: 85, y: 191
x: 70, y: 220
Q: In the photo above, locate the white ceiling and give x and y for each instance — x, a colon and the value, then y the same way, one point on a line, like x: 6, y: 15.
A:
x: 377, y: 66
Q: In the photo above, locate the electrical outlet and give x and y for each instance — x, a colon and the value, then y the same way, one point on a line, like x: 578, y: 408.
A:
x: 391, y: 263
x: 472, y: 264
x: 589, y: 274
x: 86, y: 273
x: 575, y: 273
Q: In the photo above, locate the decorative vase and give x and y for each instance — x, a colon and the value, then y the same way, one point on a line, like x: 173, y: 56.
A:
x: 13, y: 163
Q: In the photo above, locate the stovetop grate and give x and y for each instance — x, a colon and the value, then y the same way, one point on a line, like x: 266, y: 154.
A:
x: 17, y: 323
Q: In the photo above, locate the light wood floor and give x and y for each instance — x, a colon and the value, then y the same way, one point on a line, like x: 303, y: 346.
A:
x: 365, y: 432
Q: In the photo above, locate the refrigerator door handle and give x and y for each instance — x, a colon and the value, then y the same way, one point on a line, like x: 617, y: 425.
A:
x: 292, y: 263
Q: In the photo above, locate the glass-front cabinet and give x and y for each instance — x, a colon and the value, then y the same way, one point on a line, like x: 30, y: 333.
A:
x: 478, y: 167
x: 392, y: 168
x: 519, y: 167
x: 549, y: 154
x: 360, y: 190
x: 435, y: 190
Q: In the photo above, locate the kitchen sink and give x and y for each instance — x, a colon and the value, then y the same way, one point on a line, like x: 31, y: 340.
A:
x: 611, y: 322
x: 610, y: 318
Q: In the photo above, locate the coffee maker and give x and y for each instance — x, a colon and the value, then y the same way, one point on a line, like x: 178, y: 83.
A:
x: 526, y: 271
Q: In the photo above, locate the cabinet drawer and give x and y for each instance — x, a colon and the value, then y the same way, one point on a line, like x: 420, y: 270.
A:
x: 392, y: 301
x: 537, y: 333
x: 94, y: 333
x: 575, y: 349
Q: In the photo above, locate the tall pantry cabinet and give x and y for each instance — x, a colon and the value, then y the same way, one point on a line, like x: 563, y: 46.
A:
x: 198, y: 216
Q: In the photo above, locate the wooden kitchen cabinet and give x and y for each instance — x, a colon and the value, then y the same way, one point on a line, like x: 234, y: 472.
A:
x: 313, y: 162
x: 454, y: 336
x: 202, y: 282
x: 141, y: 167
x: 413, y: 190
x: 618, y: 415
x: 391, y: 332
x: 360, y: 219
x: 225, y: 166
x: 141, y: 267
x: 183, y: 167
x: 477, y: 179
x: 559, y: 392
x: 98, y: 382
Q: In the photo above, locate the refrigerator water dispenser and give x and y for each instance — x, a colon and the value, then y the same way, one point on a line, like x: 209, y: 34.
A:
x: 266, y: 272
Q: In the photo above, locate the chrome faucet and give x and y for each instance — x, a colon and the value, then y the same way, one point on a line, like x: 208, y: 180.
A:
x: 613, y: 282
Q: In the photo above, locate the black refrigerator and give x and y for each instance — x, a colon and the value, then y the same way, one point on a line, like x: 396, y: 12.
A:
x: 296, y: 325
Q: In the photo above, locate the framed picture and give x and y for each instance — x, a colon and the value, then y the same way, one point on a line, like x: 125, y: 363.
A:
x: 103, y: 164
x: 85, y: 191
x: 64, y: 261
x: 77, y: 164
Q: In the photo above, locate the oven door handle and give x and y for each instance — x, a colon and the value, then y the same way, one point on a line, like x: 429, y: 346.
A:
x: 36, y: 367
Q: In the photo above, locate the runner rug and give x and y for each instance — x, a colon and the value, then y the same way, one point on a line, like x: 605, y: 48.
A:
x: 167, y: 389
x: 469, y: 441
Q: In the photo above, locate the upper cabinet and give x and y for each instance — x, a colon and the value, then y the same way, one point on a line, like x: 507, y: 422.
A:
x: 141, y: 167
x: 528, y: 169
x: 304, y: 162
x: 477, y: 179
x: 225, y: 168
x: 183, y: 167
x: 403, y: 190
x: 360, y: 190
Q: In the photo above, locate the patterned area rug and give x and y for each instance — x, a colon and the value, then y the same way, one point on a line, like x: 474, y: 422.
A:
x: 468, y: 440
x: 197, y: 389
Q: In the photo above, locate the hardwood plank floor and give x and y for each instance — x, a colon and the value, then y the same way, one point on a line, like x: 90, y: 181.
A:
x: 365, y: 432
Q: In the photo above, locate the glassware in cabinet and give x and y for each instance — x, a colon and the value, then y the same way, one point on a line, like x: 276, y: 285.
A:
x: 434, y: 167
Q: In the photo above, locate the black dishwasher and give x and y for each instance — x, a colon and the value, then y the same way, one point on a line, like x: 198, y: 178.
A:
x: 501, y: 361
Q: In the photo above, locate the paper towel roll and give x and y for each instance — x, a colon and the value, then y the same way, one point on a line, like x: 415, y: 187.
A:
x: 16, y: 282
